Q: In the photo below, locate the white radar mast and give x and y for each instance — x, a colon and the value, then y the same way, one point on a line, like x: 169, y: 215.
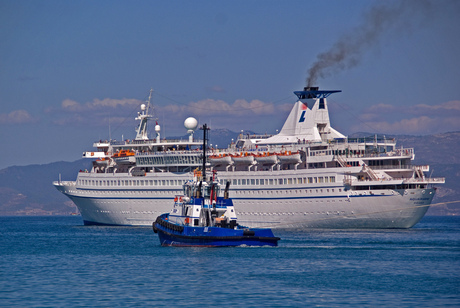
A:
x: 143, y: 116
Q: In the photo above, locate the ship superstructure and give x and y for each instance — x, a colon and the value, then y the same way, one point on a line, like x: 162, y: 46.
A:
x: 308, y: 175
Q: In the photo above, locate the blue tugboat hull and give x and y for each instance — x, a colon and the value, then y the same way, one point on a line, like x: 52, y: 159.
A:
x: 171, y: 234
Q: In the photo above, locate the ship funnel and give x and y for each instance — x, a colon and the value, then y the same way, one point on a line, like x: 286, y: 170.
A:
x: 310, y: 93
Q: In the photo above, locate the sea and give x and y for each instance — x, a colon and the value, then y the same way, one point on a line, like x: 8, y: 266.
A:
x: 55, y: 261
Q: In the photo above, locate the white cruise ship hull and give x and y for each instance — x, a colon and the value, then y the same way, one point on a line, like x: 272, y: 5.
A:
x: 289, y: 207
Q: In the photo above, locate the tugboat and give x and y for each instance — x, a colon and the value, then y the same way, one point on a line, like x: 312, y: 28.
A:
x: 201, y: 217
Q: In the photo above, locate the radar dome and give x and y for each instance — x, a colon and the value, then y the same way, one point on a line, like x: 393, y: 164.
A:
x: 143, y: 107
x: 157, y: 128
x: 191, y: 123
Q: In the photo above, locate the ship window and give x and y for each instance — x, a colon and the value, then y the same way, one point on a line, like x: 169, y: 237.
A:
x: 271, y: 181
x: 253, y: 182
x: 257, y: 181
x: 289, y: 181
x: 320, y: 180
x: 321, y: 104
x: 332, y: 179
x: 310, y: 180
x: 243, y: 182
x: 280, y: 181
x: 262, y: 182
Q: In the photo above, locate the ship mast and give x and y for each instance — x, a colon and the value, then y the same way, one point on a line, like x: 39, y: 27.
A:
x: 143, y: 116
x: 205, y: 128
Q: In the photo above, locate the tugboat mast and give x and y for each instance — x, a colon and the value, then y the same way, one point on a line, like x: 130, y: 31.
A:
x: 205, y: 128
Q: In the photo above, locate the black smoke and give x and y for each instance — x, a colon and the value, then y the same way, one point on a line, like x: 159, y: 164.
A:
x: 397, y: 17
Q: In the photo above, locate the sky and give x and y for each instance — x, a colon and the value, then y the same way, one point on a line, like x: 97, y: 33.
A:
x: 75, y: 72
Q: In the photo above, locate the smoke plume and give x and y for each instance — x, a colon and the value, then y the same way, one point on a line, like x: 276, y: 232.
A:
x: 380, y: 19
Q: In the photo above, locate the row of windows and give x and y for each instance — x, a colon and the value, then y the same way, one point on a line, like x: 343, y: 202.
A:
x: 284, y: 181
x: 311, y: 191
x: 131, y: 182
x: 234, y: 193
x: 169, y: 160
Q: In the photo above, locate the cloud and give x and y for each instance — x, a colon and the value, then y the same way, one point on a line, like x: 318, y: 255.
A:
x: 212, y: 107
x: 447, y: 108
x: 17, y: 117
x: 122, y: 112
x: 96, y: 112
x: 416, y: 119
x: 417, y: 125
x: 376, y: 111
x: 97, y: 104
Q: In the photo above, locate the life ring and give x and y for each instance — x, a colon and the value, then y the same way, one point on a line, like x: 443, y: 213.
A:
x: 175, y: 199
x: 187, y: 220
x: 180, y: 199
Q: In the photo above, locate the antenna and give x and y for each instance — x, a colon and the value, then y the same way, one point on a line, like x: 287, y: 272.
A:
x: 205, y: 128
x: 110, y: 132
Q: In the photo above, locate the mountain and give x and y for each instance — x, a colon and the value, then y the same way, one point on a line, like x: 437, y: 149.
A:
x: 28, y: 190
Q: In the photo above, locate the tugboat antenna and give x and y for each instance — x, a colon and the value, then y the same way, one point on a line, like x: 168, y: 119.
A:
x: 205, y: 128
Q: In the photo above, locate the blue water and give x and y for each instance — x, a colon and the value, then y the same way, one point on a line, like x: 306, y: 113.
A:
x: 57, y: 262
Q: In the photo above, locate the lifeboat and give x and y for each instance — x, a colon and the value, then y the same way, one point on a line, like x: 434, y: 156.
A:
x: 124, y: 157
x: 289, y: 157
x: 123, y: 153
x: 243, y: 159
x: 266, y: 158
x: 220, y: 159
x: 102, y: 161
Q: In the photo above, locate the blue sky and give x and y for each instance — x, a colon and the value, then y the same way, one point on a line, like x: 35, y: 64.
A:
x: 69, y: 70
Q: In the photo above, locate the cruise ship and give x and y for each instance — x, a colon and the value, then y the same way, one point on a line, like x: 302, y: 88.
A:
x: 308, y: 175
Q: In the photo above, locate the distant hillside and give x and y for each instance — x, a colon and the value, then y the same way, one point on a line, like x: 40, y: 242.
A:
x: 442, y: 153
x: 28, y: 190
